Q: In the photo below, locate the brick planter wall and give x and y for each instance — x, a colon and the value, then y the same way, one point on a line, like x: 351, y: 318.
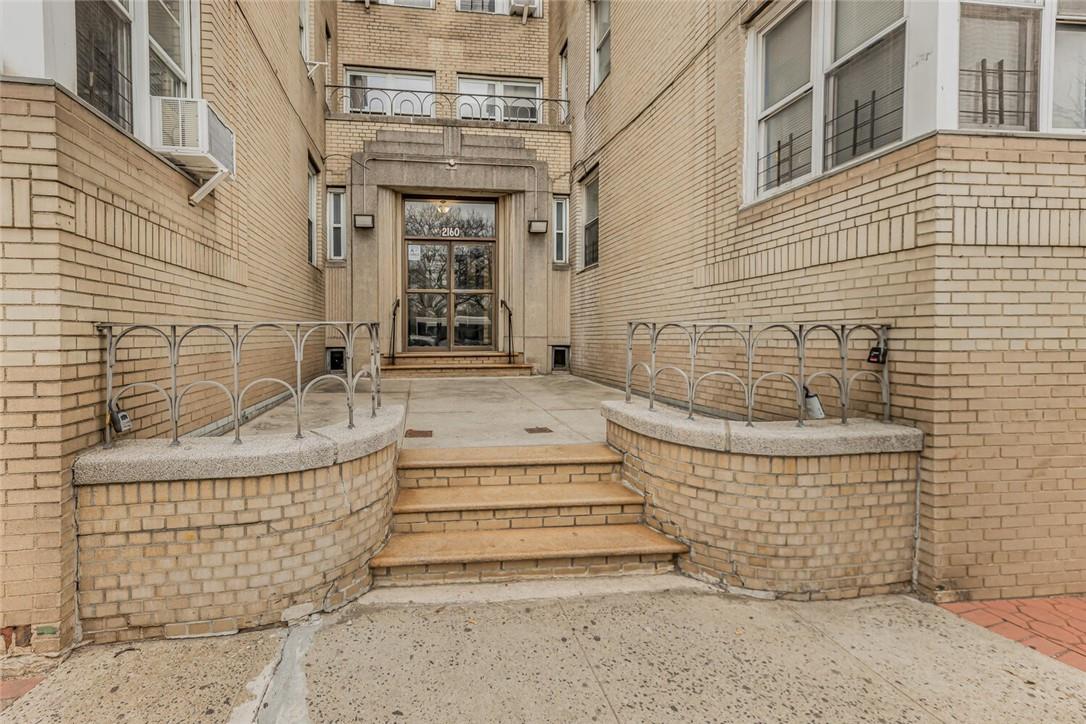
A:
x: 179, y: 558
x: 805, y: 528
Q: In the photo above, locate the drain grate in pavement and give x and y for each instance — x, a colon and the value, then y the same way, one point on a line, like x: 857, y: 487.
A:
x: 537, y: 430
x: 419, y: 433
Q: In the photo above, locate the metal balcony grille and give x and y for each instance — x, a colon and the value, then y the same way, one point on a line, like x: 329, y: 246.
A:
x: 102, y: 60
x: 437, y: 104
x: 995, y: 96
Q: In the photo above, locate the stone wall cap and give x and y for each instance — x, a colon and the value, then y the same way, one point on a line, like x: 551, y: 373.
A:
x: 774, y: 439
x: 207, y: 458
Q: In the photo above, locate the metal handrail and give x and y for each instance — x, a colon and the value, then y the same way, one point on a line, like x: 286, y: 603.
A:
x: 508, y: 330
x: 749, y: 334
x: 235, y: 334
x: 443, y: 104
x: 392, y: 333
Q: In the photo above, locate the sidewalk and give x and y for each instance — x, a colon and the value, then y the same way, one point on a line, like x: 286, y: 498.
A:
x: 634, y: 649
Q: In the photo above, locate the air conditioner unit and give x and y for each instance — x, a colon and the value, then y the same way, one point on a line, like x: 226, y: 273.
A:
x: 525, y: 8
x: 191, y: 134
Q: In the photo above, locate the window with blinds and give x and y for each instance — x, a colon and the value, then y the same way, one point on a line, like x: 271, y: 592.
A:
x: 999, y: 53
x: 591, y: 239
x: 785, y: 120
x: 1069, y: 75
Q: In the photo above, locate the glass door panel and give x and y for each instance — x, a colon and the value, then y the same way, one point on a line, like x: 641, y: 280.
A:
x: 472, y: 266
x: 427, y: 320
x: 427, y: 265
x: 472, y: 321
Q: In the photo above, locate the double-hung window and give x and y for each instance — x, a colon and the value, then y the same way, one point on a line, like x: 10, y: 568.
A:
x: 591, y: 235
x: 1069, y: 69
x: 303, y: 29
x: 563, y: 83
x: 499, y: 99
x: 561, y: 229
x: 390, y: 93
x: 999, y: 55
x: 496, y: 7
x: 425, y: 4
x: 337, y: 212
x: 601, y: 41
x: 103, y: 57
x: 822, y: 99
x: 168, y: 43
x: 311, y: 216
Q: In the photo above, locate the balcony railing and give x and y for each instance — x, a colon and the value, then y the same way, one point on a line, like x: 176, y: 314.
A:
x: 439, y: 104
x: 749, y: 356
x: 206, y: 340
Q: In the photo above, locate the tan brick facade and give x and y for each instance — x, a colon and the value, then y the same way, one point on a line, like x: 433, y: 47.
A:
x: 97, y: 228
x: 185, y: 558
x: 973, y: 246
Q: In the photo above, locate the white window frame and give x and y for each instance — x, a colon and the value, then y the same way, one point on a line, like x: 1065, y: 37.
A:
x: 563, y: 81
x: 592, y: 178
x: 414, y: 4
x: 311, y: 220
x: 1050, y: 18
x: 561, y: 219
x: 185, y: 22
x: 303, y: 29
x: 348, y: 73
x: 597, y: 79
x: 822, y: 66
x: 499, y: 88
x: 336, y: 196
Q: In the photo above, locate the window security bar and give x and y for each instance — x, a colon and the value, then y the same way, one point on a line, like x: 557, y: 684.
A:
x: 784, y: 161
x: 439, y: 104
x: 749, y: 336
x: 989, y: 96
x: 856, y: 131
x: 235, y: 334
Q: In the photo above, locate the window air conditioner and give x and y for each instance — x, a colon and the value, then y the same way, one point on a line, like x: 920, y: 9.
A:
x: 525, y: 8
x: 189, y: 133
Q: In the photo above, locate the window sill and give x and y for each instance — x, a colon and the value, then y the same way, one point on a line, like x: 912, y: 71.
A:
x: 590, y: 267
x: 560, y: 265
x: 335, y: 263
x: 592, y: 93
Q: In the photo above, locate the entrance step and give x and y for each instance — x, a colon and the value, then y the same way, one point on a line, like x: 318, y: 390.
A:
x: 518, y: 465
x: 412, y: 370
x: 448, y: 359
x: 498, y: 507
x: 502, y: 555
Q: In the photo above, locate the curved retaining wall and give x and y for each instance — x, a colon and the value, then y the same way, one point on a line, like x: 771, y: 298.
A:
x: 824, y: 511
x: 212, y: 537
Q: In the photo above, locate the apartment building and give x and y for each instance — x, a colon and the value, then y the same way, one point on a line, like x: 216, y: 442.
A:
x: 504, y: 184
x: 919, y: 164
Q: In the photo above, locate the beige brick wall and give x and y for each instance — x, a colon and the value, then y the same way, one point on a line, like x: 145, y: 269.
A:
x: 94, y: 227
x: 185, y: 558
x: 805, y: 528
x: 972, y: 246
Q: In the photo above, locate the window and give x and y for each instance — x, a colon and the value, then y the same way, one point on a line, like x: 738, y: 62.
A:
x: 563, y: 82
x: 390, y: 93
x: 311, y: 221
x: 561, y: 229
x: 841, y: 92
x: 168, y: 42
x: 1069, y: 78
x: 303, y: 28
x: 427, y: 4
x: 592, y: 221
x: 999, y: 54
x: 337, y: 212
x: 601, y: 41
x: 499, y: 99
x: 498, y: 7
x: 103, y: 31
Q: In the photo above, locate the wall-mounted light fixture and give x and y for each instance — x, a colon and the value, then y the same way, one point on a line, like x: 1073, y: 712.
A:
x: 537, y: 226
x: 363, y: 221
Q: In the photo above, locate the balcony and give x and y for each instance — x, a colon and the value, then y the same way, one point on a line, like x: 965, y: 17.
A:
x: 419, y: 104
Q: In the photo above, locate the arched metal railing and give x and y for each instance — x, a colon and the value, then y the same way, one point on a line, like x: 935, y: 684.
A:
x: 235, y: 334
x: 798, y: 377
x: 440, y: 104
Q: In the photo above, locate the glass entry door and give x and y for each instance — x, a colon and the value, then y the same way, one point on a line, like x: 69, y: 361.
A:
x: 449, y: 289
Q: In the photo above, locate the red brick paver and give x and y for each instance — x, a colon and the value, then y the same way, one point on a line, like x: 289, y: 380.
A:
x: 12, y: 689
x: 1054, y: 626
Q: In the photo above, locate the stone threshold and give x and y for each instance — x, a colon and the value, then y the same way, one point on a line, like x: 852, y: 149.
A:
x: 516, y: 455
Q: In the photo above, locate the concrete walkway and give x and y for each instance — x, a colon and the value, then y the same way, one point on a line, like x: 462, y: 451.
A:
x: 470, y: 411
x: 634, y: 649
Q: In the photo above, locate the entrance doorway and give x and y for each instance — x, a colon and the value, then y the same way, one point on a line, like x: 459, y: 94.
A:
x: 451, y: 248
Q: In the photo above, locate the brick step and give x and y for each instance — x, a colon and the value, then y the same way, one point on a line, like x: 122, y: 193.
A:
x: 497, y: 507
x: 502, y: 555
x: 518, y: 465
x: 448, y: 359
x: 422, y: 371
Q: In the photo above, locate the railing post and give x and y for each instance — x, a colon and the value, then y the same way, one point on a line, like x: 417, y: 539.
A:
x: 374, y: 351
x: 843, y: 351
x: 693, y: 365
x: 174, y: 411
x: 109, y: 384
x: 652, y: 367
x: 237, y: 384
x: 348, y: 364
x: 298, y: 381
x: 629, y: 358
x: 377, y: 356
x: 750, y: 375
x: 884, y: 341
x: 801, y: 392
